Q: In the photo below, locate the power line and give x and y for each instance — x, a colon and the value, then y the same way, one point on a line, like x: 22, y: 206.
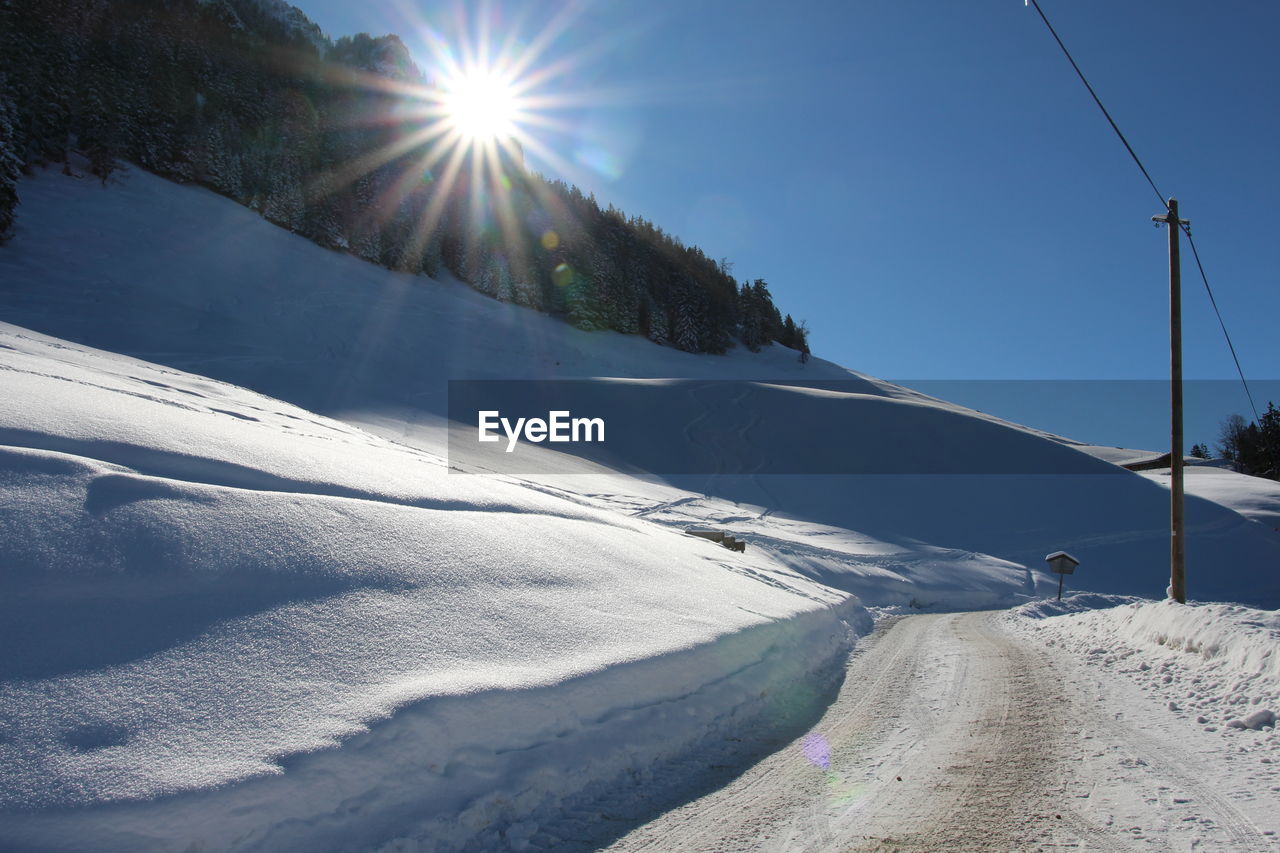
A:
x: 1186, y: 229
x: 1195, y: 254
x: 1098, y: 101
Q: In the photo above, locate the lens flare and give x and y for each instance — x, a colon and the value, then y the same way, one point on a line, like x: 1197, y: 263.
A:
x: 481, y: 105
x: 454, y: 143
x: 817, y: 750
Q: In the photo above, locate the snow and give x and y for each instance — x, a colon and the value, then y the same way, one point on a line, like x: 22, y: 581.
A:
x: 1219, y: 663
x: 977, y: 732
x: 1252, y: 497
x: 1201, y: 682
x: 1266, y: 718
x: 245, y: 602
x: 204, y: 586
x: 1120, y: 455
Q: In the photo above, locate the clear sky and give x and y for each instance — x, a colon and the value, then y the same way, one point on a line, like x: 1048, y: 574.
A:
x: 927, y: 183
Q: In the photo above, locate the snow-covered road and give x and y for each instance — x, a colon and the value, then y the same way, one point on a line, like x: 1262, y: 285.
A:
x: 953, y: 733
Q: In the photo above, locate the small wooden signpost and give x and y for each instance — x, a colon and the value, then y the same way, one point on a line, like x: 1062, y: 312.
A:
x: 1061, y: 563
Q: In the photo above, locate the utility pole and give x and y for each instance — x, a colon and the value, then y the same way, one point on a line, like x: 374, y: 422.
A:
x: 1177, y: 541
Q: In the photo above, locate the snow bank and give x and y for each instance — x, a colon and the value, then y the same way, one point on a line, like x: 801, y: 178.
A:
x: 231, y: 622
x: 1219, y: 663
x: 475, y: 770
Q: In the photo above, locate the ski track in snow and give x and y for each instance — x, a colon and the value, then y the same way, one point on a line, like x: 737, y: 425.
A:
x: 953, y: 733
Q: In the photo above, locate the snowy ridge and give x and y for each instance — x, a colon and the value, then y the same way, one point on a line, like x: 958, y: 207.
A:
x: 1219, y: 663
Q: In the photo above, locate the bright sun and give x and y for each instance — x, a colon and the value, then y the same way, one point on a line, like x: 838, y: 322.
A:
x: 481, y: 105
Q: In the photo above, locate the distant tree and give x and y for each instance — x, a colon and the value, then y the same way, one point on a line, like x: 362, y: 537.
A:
x: 1252, y: 448
x: 1199, y: 451
x: 754, y: 309
x: 1269, y: 443
x: 788, y: 336
x: 1232, y: 437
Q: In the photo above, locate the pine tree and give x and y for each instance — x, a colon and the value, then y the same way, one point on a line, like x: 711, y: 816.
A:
x: 1268, y: 450
x: 659, y: 324
x: 788, y: 336
x: 10, y: 165
x: 751, y: 327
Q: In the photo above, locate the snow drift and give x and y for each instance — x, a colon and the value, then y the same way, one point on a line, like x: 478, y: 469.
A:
x: 1217, y: 662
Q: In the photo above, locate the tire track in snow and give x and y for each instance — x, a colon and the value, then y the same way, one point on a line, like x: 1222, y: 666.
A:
x: 951, y: 733
x: 1184, y: 795
x: 745, y: 814
x: 982, y: 779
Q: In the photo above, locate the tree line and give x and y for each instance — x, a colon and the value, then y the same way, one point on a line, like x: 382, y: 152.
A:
x: 250, y: 99
x: 1250, y: 447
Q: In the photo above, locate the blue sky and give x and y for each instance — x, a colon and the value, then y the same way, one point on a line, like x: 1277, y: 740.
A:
x: 928, y: 184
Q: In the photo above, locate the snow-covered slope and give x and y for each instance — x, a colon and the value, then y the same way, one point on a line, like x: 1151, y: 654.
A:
x: 274, y: 618
x: 1252, y: 497
x: 203, y: 585
x: 182, y: 277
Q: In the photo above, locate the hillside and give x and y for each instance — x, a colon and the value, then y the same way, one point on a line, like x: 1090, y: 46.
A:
x: 245, y: 600
x: 349, y: 144
x: 153, y: 279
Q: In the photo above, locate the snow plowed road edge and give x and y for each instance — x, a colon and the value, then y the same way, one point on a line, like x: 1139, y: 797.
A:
x: 952, y: 733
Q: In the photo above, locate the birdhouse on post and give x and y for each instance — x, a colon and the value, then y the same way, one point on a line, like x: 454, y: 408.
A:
x: 1061, y: 563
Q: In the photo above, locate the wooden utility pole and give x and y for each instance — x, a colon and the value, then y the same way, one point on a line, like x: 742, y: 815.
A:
x: 1177, y: 541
